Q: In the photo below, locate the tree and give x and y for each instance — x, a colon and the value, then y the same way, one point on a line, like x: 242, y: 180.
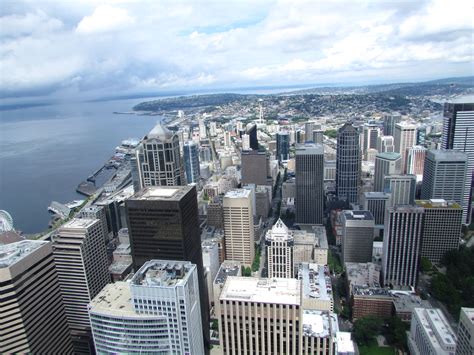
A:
x: 396, y: 332
x: 246, y: 271
x: 425, y: 264
x: 366, y: 328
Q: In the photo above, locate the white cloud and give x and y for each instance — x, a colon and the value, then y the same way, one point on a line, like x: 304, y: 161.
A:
x: 104, y: 18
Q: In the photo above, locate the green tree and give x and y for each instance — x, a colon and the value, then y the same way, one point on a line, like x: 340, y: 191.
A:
x: 396, y: 332
x: 331, y: 133
x: 425, y: 264
x: 366, y: 328
x: 246, y: 271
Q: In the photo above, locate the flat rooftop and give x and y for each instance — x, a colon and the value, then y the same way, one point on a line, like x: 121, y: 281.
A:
x: 371, y: 291
x: 237, y: 193
x: 250, y: 289
x: 358, y: 215
x: 438, y: 203
x: 114, y: 299
x: 79, y: 223
x: 309, y: 148
x: 407, y: 303
x: 227, y: 268
x: 14, y: 252
x: 167, y: 193
x: 377, y: 195
x: 469, y: 313
x: 310, y: 234
x: 388, y: 156
x: 163, y: 273
x: 436, y: 327
x: 316, y: 281
x: 447, y: 154
x: 319, y: 324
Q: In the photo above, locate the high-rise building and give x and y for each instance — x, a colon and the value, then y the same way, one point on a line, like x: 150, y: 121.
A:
x: 309, y: 183
x: 371, y: 134
x: 32, y: 312
x: 385, y: 144
x: 279, y: 242
x: 318, y: 136
x: 404, y: 137
x: 82, y: 265
x: 402, y: 189
x: 376, y: 203
x: 202, y: 129
x: 430, y: 333
x: 191, y: 161
x: 215, y: 214
x: 458, y: 133
x: 283, y: 146
x: 420, y: 135
x: 444, y: 176
x: 96, y: 212
x: 255, y: 168
x: 348, y: 163
x: 308, y: 131
x: 385, y: 164
x: 357, y: 236
x: 158, y: 159
x: 163, y: 224
x: 252, y: 133
x: 245, y: 142
x: 465, y: 345
x: 416, y: 161
x: 389, y: 122
x: 441, y: 228
x: 238, y: 226
x: 157, y: 312
x: 401, y: 245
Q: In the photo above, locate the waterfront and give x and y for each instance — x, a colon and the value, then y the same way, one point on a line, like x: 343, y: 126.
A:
x: 46, y: 151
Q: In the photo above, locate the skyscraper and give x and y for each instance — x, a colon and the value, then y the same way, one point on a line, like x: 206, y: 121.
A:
x: 401, y: 245
x: 238, y: 226
x: 385, y: 144
x: 252, y: 133
x: 441, y: 228
x: 445, y: 174
x: 158, y: 159
x: 458, y: 133
x: 279, y: 242
x: 157, y: 312
x: 318, y: 136
x: 283, y: 146
x: 309, y: 183
x: 348, y: 163
x: 385, y: 164
x: 402, y: 189
x: 31, y: 305
x: 389, y: 122
x: 357, y: 236
x: 255, y: 168
x: 416, y: 161
x: 163, y: 224
x: 404, y: 137
x: 371, y: 134
x: 191, y: 161
x: 376, y: 203
x: 82, y: 265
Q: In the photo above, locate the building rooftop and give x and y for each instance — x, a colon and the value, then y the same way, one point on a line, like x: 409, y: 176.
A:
x: 344, y: 343
x: 250, y: 289
x: 167, y: 193
x: 438, y: 203
x: 389, y: 156
x: 316, y: 281
x: 363, y: 274
x: 14, y: 252
x: 79, y: 223
x: 376, y: 195
x: 371, y: 291
x: 279, y: 232
x: 436, y: 327
x: 404, y: 303
x: 447, y: 154
x: 358, y: 215
x: 309, y: 148
x: 238, y: 193
x: 310, y: 234
x: 163, y: 273
x: 469, y: 312
x: 320, y: 324
x: 227, y: 268
x: 159, y: 132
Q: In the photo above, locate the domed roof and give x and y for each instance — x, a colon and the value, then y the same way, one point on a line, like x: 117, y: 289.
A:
x: 160, y: 132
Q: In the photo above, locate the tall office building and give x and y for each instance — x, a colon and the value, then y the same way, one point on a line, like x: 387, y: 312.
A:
x: 404, y: 137
x: 376, y: 203
x: 385, y: 164
x: 163, y: 224
x: 238, y: 226
x: 385, y: 144
x: 465, y: 345
x: 157, y: 312
x: 97, y: 212
x: 458, y: 133
x: 402, y: 245
x: 251, y: 131
x: 416, y: 161
x: 255, y: 168
x: 279, y: 242
x: 348, y: 163
x: 318, y: 136
x: 283, y: 146
x: 441, y: 228
x: 357, y: 236
x: 309, y: 173
x: 32, y: 313
x: 191, y: 161
x: 421, y: 135
x: 202, y: 129
x: 158, y: 159
x: 389, y: 122
x: 444, y: 176
x: 82, y: 265
x: 308, y: 131
x: 402, y: 189
x: 371, y: 133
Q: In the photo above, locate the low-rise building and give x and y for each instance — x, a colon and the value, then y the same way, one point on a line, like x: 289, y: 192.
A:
x: 371, y: 301
x: 316, y: 287
x: 362, y: 274
x: 404, y: 305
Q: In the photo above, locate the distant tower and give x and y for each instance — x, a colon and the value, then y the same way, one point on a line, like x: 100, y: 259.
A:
x: 389, y: 122
x: 202, y: 129
x: 376, y: 203
x: 255, y: 168
x: 348, y: 163
x: 318, y: 136
x: 416, y: 161
x: 385, y: 164
x: 245, y: 142
x: 385, y: 144
x: 402, y: 189
x: 404, y: 138
x: 191, y: 161
x: 458, y: 133
x: 371, y: 133
x: 252, y: 133
x: 283, y: 146
x: 309, y: 183
x: 158, y: 159
x: 279, y: 242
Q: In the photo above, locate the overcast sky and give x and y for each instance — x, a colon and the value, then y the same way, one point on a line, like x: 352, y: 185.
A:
x: 118, y: 47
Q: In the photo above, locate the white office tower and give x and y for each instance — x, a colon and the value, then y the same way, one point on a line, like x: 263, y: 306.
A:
x: 156, y: 313
x: 385, y: 164
x: 245, y: 142
x: 385, y: 144
x: 82, y: 265
x: 401, y: 245
x: 238, y: 226
x: 402, y: 189
x: 202, y: 129
x: 213, y: 128
x: 416, y: 161
x: 227, y: 141
x: 404, y: 138
x: 465, y: 344
x: 279, y: 242
x: 430, y: 333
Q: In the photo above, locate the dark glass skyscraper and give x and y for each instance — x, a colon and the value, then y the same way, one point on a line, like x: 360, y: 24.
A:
x: 348, y: 163
x: 191, y: 161
x: 283, y: 146
x: 309, y: 183
x: 252, y: 132
x: 163, y: 224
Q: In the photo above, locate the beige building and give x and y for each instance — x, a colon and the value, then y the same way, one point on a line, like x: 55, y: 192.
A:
x: 279, y: 242
x: 310, y: 245
x: 238, y: 226
x: 31, y: 310
x: 404, y: 138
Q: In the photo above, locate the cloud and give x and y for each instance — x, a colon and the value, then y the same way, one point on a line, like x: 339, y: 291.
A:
x: 104, y: 18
